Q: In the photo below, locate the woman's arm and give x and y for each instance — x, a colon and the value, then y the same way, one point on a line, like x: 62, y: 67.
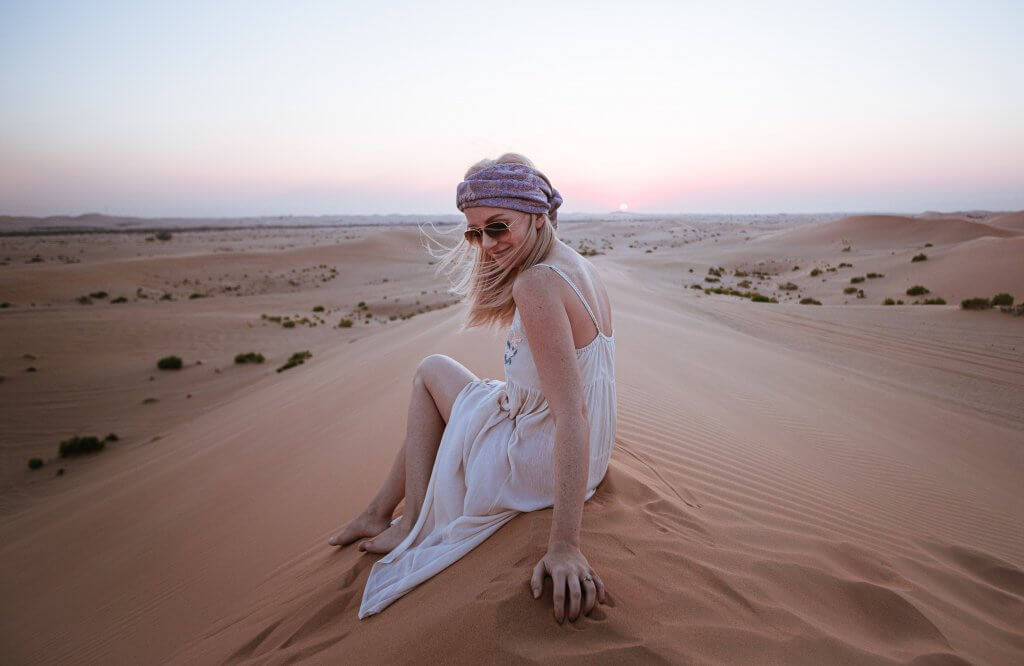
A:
x: 538, y: 298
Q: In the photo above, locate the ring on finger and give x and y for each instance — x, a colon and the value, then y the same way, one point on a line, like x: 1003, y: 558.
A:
x: 588, y: 579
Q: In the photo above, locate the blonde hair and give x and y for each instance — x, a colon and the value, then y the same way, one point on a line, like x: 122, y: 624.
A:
x: 486, y: 284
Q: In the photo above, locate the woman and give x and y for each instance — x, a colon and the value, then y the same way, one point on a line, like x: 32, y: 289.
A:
x: 479, y: 451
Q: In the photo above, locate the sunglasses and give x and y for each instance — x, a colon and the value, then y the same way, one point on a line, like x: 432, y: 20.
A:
x: 494, y: 230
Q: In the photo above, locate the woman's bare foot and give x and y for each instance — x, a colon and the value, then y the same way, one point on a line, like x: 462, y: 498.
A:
x: 387, y: 540
x: 365, y: 525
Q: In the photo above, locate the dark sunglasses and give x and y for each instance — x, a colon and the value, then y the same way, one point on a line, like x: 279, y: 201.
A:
x: 494, y: 230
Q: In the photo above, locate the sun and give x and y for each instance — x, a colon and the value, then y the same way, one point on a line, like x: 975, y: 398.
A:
x: 623, y: 207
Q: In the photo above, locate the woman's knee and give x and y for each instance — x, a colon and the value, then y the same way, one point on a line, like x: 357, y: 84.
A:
x: 430, y: 367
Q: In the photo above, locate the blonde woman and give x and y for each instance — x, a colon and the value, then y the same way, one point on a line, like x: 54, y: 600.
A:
x: 478, y: 452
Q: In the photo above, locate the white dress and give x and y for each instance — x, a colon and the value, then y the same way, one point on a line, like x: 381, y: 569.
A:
x: 495, y: 460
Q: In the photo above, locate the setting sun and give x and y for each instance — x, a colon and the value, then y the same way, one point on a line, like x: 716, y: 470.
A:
x: 623, y: 207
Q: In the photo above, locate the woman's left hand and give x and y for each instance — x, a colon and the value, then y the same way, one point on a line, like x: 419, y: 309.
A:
x: 568, y: 568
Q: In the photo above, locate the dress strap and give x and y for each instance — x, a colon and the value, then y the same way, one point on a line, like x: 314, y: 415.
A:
x: 578, y: 293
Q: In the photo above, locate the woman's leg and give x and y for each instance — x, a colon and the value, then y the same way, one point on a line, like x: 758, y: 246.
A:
x: 438, y: 381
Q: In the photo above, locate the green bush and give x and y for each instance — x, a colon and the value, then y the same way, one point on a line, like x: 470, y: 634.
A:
x: 79, y: 445
x: 98, y: 294
x: 711, y: 279
x: 347, y: 323
x: 196, y: 295
x: 888, y: 301
x: 692, y: 286
x: 298, y: 358
x: 850, y: 290
x: 809, y: 301
x: 35, y: 463
x: 84, y: 300
x: 1002, y: 299
x: 120, y: 299
x: 845, y: 265
x: 975, y: 304
x: 934, y: 301
x: 815, y: 272
x: 919, y: 257
x: 288, y: 323
x: 249, y: 357
x: 761, y: 298
x: 789, y: 286
x: 872, y: 276
x: 169, y: 363
x: 857, y: 279
x: 318, y: 308
x: 917, y: 290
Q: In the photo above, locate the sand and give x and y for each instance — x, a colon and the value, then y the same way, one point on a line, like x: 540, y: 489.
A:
x: 791, y: 483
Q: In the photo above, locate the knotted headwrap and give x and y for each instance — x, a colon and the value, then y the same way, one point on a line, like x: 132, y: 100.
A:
x: 510, y: 185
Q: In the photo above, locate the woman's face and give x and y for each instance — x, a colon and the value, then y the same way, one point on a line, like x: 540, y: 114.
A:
x: 511, y: 243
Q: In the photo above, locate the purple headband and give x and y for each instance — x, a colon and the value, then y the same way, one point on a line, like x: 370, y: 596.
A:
x: 510, y: 185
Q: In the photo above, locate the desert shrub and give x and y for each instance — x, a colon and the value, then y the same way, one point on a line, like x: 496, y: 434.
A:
x: 845, y: 265
x: 809, y: 301
x: 831, y: 269
x: 917, y: 290
x: 98, y: 294
x: 928, y: 245
x: 166, y: 297
x: 975, y: 304
x: 169, y: 363
x: 288, y: 323
x: 362, y: 305
x: 347, y: 323
x: 163, y: 235
x: 850, y: 290
x: 899, y: 302
x: 5, y: 304
x: 846, y: 249
x: 111, y: 437
x: 888, y: 301
x: 919, y: 257
x: 79, y: 445
x: 1002, y: 299
x: 249, y: 357
x: 789, y: 286
x: 739, y: 273
x: 196, y: 295
x: 717, y: 272
x: 857, y: 279
x: 872, y: 276
x: 761, y: 298
x: 815, y: 272
x: 711, y: 279
x: 934, y: 301
x: 120, y: 299
x: 745, y: 284
x: 35, y: 463
x: 318, y: 308
x: 695, y: 286
x: 84, y: 300
x: 298, y: 358
x: 860, y: 293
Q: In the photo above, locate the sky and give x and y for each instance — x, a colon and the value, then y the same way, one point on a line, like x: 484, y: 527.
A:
x: 218, y: 109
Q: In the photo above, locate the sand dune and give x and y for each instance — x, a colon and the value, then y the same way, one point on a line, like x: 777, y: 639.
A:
x: 790, y: 484
x: 1011, y: 221
x: 887, y: 232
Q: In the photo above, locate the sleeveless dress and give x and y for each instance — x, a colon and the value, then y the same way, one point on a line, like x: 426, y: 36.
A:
x: 495, y: 460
